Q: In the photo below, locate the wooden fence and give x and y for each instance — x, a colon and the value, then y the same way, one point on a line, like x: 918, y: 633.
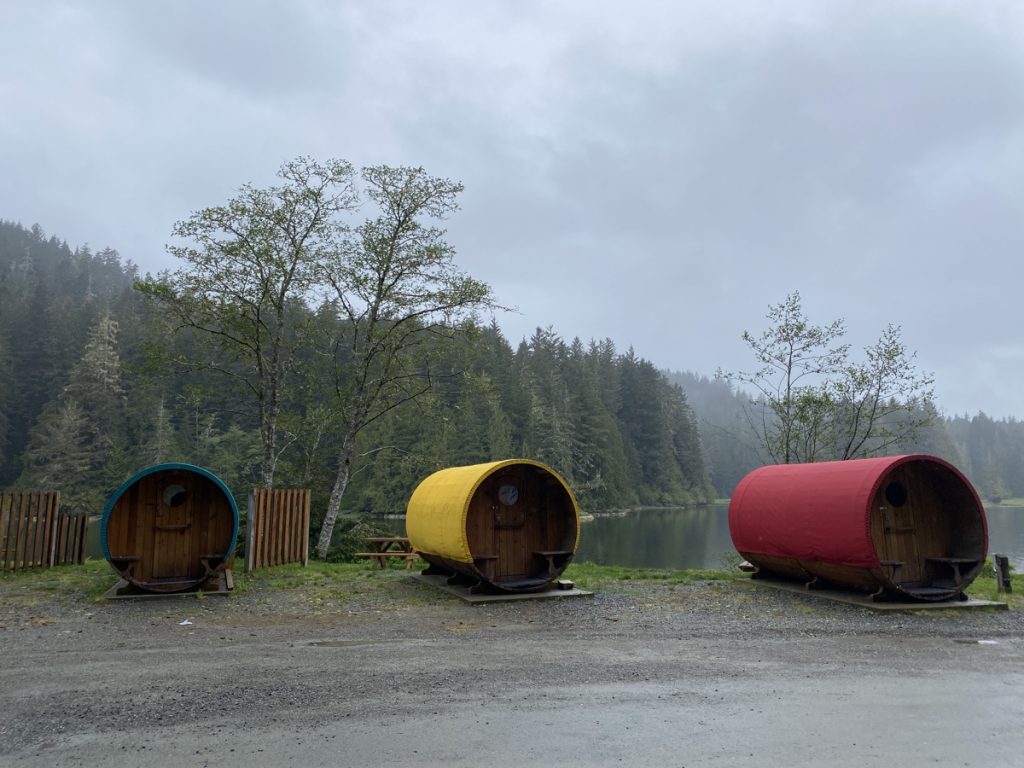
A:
x: 34, y: 533
x: 278, y: 527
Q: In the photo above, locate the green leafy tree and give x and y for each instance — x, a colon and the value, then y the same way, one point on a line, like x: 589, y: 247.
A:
x: 394, y: 286
x: 881, y: 401
x: 248, y: 266
x: 813, y: 403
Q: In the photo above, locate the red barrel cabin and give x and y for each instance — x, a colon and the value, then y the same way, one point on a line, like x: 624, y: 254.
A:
x: 906, y: 526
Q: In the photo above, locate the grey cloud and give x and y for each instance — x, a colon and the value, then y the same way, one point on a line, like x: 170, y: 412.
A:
x: 659, y: 176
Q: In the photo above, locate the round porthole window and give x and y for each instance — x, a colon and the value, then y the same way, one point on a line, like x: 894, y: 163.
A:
x: 175, y: 495
x: 508, y: 494
x: 896, y: 494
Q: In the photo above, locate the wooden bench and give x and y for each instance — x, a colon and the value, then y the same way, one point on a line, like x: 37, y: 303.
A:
x: 953, y: 563
x: 893, y: 566
x: 551, y: 556
x: 378, y: 559
x: 125, y: 564
x: 485, y: 564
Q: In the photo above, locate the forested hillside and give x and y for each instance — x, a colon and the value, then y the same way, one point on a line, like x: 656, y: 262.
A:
x: 89, y: 396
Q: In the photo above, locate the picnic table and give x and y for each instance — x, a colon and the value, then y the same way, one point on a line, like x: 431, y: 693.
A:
x: 387, y: 547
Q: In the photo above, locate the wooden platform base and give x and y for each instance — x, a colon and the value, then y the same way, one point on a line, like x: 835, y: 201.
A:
x: 221, y: 584
x: 863, y: 600
x: 462, y: 592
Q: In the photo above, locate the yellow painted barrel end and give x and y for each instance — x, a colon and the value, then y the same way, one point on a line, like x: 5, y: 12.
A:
x: 513, y: 524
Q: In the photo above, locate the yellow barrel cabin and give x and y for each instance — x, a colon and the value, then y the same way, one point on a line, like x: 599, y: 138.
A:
x: 170, y: 528
x: 509, y: 525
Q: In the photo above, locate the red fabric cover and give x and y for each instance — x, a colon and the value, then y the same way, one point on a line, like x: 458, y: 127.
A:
x: 813, y: 512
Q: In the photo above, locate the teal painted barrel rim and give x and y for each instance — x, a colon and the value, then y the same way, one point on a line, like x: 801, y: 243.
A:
x: 116, y: 496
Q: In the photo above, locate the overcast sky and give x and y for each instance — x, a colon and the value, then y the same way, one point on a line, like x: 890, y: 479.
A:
x: 657, y: 173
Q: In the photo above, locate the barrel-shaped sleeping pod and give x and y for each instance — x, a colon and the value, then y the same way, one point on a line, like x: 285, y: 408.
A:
x: 169, y: 528
x: 909, y: 526
x: 511, y: 525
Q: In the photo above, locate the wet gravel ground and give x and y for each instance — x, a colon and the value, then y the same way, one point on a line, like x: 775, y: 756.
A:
x: 396, y: 673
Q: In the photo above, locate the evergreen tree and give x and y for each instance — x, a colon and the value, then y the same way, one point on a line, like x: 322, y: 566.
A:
x: 58, y: 457
x: 95, y: 384
x: 6, y: 385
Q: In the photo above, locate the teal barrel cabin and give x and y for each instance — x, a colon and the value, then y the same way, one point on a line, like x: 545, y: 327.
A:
x: 170, y: 528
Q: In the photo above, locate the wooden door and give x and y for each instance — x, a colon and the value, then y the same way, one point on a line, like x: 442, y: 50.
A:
x: 897, y: 537
x: 511, y: 505
x: 172, y: 529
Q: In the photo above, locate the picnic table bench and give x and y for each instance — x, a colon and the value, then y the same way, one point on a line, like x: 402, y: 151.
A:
x: 388, y: 547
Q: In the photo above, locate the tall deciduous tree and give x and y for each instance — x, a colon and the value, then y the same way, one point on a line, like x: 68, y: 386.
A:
x: 247, y: 265
x: 393, y: 285
x: 814, y: 403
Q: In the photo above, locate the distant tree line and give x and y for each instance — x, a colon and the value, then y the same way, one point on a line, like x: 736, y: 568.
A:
x: 989, y: 451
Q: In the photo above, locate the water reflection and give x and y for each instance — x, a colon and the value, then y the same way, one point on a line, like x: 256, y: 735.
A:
x: 698, y: 537
x: 658, y: 538
x: 1006, y: 533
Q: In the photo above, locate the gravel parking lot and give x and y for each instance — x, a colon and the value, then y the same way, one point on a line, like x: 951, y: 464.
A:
x: 388, y: 671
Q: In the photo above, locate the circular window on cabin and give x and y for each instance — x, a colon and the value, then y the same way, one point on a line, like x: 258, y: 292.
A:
x: 175, y: 495
x: 896, y: 494
x: 508, y: 494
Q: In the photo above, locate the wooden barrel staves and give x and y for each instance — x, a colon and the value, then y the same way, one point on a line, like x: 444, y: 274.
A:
x: 170, y: 528
x: 906, y: 526
x: 509, y: 525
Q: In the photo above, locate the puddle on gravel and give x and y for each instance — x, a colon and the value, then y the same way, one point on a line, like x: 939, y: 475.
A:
x: 350, y: 643
x: 977, y: 642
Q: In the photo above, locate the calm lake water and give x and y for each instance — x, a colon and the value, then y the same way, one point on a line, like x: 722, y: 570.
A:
x: 698, y: 537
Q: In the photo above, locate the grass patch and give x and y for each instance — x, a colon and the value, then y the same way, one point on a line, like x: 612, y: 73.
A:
x: 984, y: 588
x: 591, y: 576
x: 41, y: 585
x: 328, y: 581
x: 316, y: 580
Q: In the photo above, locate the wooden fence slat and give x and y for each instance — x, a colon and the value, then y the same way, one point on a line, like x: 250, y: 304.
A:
x: 286, y: 531
x: 32, y: 532
x: 273, y: 529
x: 63, y: 526
x: 265, y: 525
x: 261, y: 538
x: 35, y: 517
x: 248, y: 533
x: 20, y: 545
x: 304, y: 528
x: 49, y: 530
x: 289, y: 526
x: 5, y: 525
